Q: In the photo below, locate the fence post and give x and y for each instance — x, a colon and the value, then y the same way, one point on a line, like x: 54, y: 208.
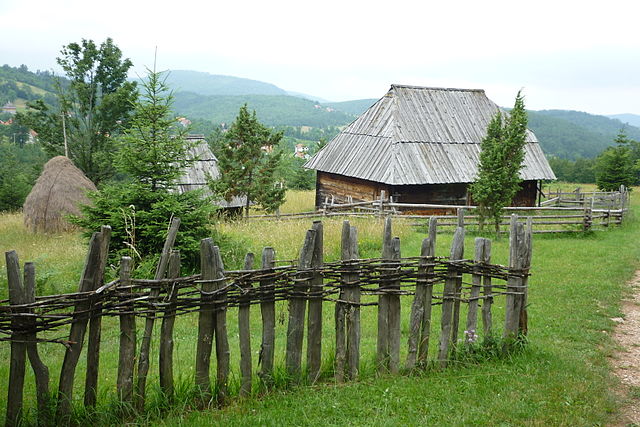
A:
x: 18, y: 347
x: 347, y: 311
x: 127, y: 353
x: 314, y: 321
x: 476, y: 282
x: 145, y: 346
x: 40, y: 370
x: 268, y: 312
x: 394, y: 310
x: 449, y: 296
x: 95, y: 324
x: 244, y: 332
x: 428, y: 250
x: 382, y: 354
x: 78, y: 329
x: 165, y: 362
x: 206, y: 323
x: 298, y: 306
x: 527, y: 247
x: 222, y: 340
x: 381, y: 207
x: 517, y: 254
x: 487, y: 291
x: 353, y: 310
x: 418, y: 334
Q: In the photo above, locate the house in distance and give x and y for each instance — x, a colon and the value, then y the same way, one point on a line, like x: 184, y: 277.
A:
x: 419, y: 145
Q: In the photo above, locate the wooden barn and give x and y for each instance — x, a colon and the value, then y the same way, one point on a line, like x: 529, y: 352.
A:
x: 204, y: 166
x: 419, y: 145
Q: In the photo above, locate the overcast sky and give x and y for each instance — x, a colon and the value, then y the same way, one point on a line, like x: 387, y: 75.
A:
x: 579, y: 55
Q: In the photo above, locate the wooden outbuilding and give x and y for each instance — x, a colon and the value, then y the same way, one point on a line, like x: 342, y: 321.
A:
x: 204, y: 166
x: 419, y: 145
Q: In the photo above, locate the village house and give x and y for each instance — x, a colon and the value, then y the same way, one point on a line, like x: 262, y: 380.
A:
x: 419, y: 145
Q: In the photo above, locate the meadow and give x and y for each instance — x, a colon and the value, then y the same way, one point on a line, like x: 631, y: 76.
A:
x: 562, y: 377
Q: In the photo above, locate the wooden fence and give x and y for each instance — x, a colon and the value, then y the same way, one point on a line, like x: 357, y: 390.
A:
x: 352, y: 284
x: 559, y: 212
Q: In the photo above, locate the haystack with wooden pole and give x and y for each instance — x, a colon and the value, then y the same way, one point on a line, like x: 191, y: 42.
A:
x: 59, y: 191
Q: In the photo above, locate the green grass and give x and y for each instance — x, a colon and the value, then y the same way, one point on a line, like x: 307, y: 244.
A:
x: 561, y: 378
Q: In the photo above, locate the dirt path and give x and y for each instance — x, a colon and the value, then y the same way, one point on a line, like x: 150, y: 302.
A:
x: 626, y: 361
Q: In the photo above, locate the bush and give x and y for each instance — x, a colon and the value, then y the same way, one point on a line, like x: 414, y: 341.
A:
x: 140, y: 219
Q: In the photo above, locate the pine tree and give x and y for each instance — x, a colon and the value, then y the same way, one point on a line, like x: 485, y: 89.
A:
x: 152, y: 155
x: 153, y: 149
x: 249, y: 161
x: 615, y: 165
x: 501, y: 157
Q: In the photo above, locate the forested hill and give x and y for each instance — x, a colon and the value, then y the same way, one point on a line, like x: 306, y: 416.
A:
x: 19, y: 85
x: 215, y: 84
x: 278, y: 110
x: 573, y: 134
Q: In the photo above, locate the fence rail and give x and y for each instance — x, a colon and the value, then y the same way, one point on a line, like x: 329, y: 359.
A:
x: 350, y: 285
x: 571, y: 211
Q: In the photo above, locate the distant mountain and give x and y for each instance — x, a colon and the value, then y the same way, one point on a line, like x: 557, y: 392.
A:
x: 573, y: 134
x: 215, y: 84
x: 278, y: 110
x: 305, y: 96
x: 355, y: 107
x: 632, y: 119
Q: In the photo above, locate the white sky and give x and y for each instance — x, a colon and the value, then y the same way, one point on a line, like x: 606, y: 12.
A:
x: 580, y: 55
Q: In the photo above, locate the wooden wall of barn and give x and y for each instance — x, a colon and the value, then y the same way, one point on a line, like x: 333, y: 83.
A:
x: 341, y: 187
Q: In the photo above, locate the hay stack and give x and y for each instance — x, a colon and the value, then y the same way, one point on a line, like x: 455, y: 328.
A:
x: 58, y: 192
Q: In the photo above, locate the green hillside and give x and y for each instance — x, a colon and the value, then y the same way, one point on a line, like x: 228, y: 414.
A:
x: 19, y: 85
x: 279, y: 110
x: 215, y: 84
x: 572, y: 134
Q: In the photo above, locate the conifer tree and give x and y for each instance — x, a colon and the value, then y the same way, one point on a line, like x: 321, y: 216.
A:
x: 249, y: 162
x: 501, y: 157
x: 615, y: 166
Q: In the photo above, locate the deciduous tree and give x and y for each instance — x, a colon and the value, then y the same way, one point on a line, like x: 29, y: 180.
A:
x: 93, y: 105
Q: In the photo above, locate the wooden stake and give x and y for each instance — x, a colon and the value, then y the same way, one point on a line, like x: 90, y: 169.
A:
x: 206, y: 323
x: 353, y: 310
x: 244, y: 333
x: 314, y: 320
x: 18, y: 345
x: 222, y: 340
x: 40, y: 370
x: 428, y: 250
x: 382, y: 354
x: 78, y: 329
x: 394, y: 312
x: 448, y: 298
x: 268, y: 311
x: 166, y: 329
x: 297, y: 309
x: 145, y: 347
x: 126, y: 361
x: 487, y: 291
x: 95, y: 324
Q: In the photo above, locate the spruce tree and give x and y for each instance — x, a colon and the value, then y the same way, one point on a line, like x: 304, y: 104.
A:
x: 615, y: 165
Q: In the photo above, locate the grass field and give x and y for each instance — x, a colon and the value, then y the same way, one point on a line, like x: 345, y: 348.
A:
x: 561, y: 378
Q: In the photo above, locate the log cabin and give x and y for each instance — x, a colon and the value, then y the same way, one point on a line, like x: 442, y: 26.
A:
x: 419, y: 145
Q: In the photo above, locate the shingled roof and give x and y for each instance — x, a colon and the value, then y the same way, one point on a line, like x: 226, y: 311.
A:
x: 204, y: 166
x: 421, y: 135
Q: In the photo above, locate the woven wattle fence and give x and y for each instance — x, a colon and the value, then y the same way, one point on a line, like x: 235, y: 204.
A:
x: 350, y: 285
